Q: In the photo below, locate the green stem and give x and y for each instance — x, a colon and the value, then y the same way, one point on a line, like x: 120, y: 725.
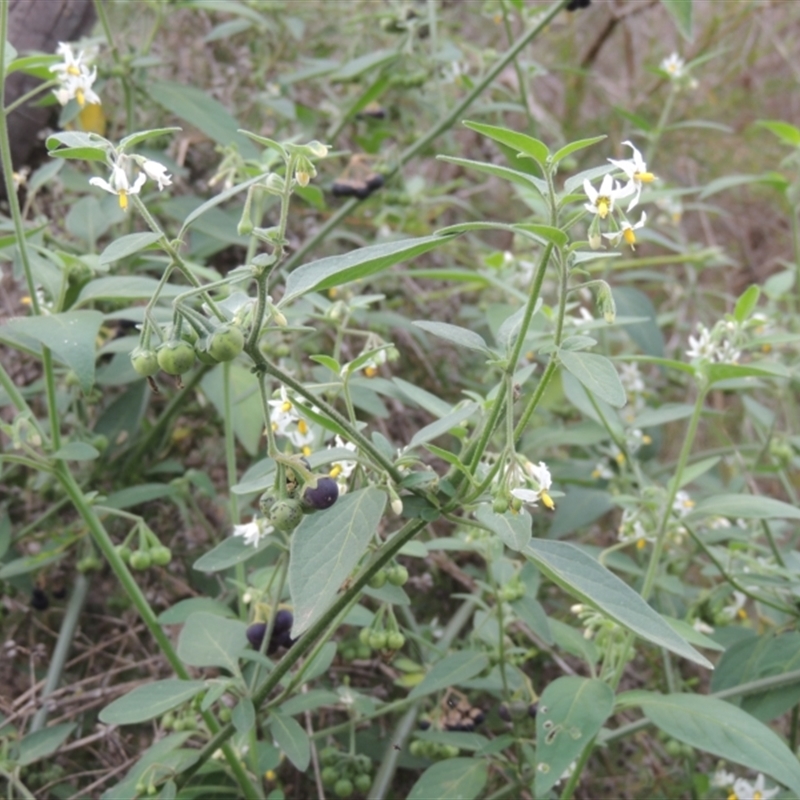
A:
x: 14, y: 781
x: 572, y: 782
x: 123, y: 575
x: 300, y: 648
x: 443, y: 125
x: 61, y: 650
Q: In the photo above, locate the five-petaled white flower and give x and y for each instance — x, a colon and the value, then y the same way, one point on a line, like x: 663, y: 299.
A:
x: 626, y: 232
x: 253, y: 531
x: 119, y: 184
x: 673, y: 65
x: 541, y: 476
x: 156, y: 172
x: 75, y: 77
x: 744, y: 790
x: 602, y: 202
x: 287, y: 422
x: 635, y: 170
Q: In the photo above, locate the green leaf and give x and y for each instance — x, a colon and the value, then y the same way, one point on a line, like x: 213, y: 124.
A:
x: 571, y: 712
x: 452, y: 779
x: 513, y: 175
x: 76, y: 144
x: 452, y: 670
x: 584, y: 578
x: 218, y: 200
x: 717, y: 727
x: 573, y: 147
x: 453, y: 333
x: 207, y: 640
x: 546, y: 232
x: 788, y: 134
x: 239, y: 384
x: 336, y: 270
x: 243, y: 716
x: 423, y: 398
x: 746, y: 506
x: 198, y: 108
x: 669, y: 412
x: 746, y: 303
x: 733, y: 182
x: 357, y: 66
x: 124, y: 287
x: 526, y: 145
x: 443, y: 425
x: 150, y: 701
x: 692, y: 636
x: 42, y: 743
x: 77, y: 451
x: 596, y: 373
x: 127, y: 246
x: 325, y: 548
x: 143, y: 493
x: 513, y: 529
x: 681, y: 13
x: 143, y: 136
x: 70, y: 335
x: 229, y: 552
x: 292, y: 739
x: 631, y: 302
x: 183, y: 609
x: 725, y: 372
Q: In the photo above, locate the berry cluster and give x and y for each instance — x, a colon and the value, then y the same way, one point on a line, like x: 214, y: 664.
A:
x: 280, y: 637
x: 345, y: 773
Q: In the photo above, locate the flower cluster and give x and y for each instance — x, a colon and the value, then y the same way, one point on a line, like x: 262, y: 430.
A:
x: 714, y: 345
x: 287, y: 422
x: 742, y: 789
x: 75, y: 77
x: 602, y: 202
x: 677, y: 71
x: 537, y: 482
x: 120, y: 184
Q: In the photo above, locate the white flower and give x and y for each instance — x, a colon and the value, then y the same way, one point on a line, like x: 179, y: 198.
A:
x: 541, y: 476
x: 744, y: 790
x: 253, y: 531
x: 75, y: 77
x: 673, y: 65
x: 636, y: 171
x: 735, y: 609
x: 119, y: 185
x: 602, y: 202
x: 342, y: 469
x: 626, y: 231
x: 701, y: 346
x: 157, y: 172
x: 682, y: 504
x: 727, y: 777
x: 287, y: 422
x: 631, y: 378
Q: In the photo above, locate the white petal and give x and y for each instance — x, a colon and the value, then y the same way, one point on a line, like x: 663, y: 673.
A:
x: 591, y: 192
x: 103, y: 184
x: 137, y: 186
x: 526, y: 495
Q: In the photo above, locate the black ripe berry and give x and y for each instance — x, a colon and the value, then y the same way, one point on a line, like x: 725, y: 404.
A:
x: 280, y: 632
x: 321, y: 496
x: 39, y: 599
x: 574, y: 5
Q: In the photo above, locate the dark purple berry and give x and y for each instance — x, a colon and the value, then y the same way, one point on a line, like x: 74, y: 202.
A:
x: 321, y: 496
x: 504, y: 713
x: 532, y: 709
x: 255, y: 634
x: 39, y: 599
x: 283, y: 621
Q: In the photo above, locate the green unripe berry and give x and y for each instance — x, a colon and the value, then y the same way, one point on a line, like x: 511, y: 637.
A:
x: 500, y: 505
x: 349, y: 654
x: 329, y: 776
x: 161, y: 555
x: 329, y: 756
x: 175, y: 357
x: 417, y: 748
x: 363, y: 783
x: 363, y: 652
x: 343, y: 788
x: 395, y: 640
x: 168, y: 720
x: 377, y: 640
x: 265, y: 502
x: 226, y: 343
x: 285, y: 515
x: 673, y: 747
x: 449, y: 751
x: 144, y: 361
x: 397, y: 575
x: 363, y: 763
x: 201, y: 351
x: 378, y: 579
x: 124, y: 552
x: 140, y: 559
x: 363, y: 635
x: 224, y: 714
x: 88, y: 564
